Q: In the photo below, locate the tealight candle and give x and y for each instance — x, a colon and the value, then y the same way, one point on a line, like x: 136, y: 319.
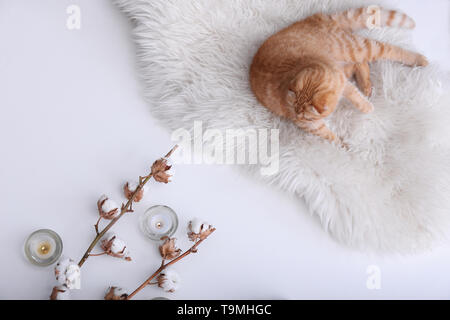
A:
x: 43, y: 247
x: 158, y: 222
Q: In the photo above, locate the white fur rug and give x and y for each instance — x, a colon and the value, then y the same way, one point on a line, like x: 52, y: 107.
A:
x: 390, y: 192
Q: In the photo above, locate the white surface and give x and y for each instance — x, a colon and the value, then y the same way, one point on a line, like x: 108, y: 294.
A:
x: 73, y: 126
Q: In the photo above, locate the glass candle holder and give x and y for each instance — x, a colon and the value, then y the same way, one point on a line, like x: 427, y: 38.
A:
x: 158, y: 221
x: 43, y: 247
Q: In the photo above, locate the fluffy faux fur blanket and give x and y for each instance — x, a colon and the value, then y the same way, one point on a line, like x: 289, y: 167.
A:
x: 389, y: 192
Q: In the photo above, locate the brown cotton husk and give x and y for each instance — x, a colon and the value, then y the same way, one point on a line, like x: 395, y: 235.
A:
x: 129, y: 193
x: 168, y: 249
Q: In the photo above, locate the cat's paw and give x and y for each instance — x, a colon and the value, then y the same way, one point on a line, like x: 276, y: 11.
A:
x: 367, y: 90
x: 421, y: 61
x: 365, y: 87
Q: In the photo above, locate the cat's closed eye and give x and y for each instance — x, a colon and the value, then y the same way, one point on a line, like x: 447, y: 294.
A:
x: 314, y: 111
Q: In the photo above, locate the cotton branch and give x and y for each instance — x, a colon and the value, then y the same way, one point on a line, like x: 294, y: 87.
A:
x: 168, y: 250
x: 125, y: 208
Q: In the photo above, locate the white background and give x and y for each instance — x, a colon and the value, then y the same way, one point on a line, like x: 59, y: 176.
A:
x: 73, y: 125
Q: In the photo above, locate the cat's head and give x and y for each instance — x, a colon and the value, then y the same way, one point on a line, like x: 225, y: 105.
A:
x: 315, y: 91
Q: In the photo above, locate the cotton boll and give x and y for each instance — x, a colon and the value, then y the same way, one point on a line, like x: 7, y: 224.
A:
x: 68, y: 273
x: 116, y: 247
x: 161, y: 170
x: 130, y: 187
x: 107, y: 208
x: 205, y: 226
x: 169, y: 280
x: 195, y: 225
x: 109, y: 205
x: 116, y: 293
x: 60, y: 293
x: 168, y: 249
x: 199, y: 230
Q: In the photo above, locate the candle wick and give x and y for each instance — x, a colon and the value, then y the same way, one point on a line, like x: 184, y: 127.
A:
x: 44, y: 248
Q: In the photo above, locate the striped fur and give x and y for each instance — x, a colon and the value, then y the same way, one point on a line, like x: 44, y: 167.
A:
x: 302, y: 72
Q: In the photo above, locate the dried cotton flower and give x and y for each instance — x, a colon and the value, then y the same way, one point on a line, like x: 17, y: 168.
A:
x: 60, y: 293
x: 116, y: 293
x: 199, y: 230
x: 107, y: 208
x: 115, y: 247
x: 168, y: 280
x: 161, y: 170
x: 168, y: 249
x: 129, y: 188
x: 68, y: 273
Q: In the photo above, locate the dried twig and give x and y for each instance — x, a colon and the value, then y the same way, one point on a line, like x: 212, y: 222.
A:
x: 164, y: 265
x: 127, y: 207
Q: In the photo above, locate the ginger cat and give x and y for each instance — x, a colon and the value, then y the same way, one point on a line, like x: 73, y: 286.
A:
x: 302, y: 72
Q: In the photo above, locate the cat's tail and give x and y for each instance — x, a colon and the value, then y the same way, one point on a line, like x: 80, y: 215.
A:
x: 373, y: 17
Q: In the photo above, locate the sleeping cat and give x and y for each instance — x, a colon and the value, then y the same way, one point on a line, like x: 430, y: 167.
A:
x: 301, y: 72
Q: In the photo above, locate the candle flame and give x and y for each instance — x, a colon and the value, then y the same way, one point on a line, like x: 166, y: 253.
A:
x: 44, y: 248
